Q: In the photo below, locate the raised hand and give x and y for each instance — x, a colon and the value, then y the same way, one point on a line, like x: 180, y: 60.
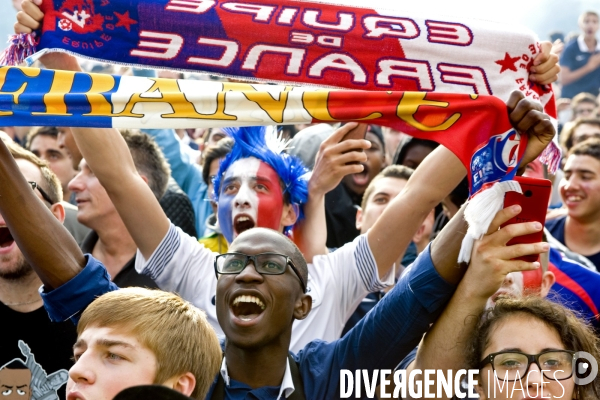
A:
x: 527, y: 116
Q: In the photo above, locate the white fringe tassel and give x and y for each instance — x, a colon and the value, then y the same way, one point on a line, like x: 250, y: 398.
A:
x: 480, y: 212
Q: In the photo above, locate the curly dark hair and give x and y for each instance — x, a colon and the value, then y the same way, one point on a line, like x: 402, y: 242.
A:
x: 574, y: 333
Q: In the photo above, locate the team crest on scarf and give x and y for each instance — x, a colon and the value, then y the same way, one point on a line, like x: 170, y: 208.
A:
x: 85, y: 17
x: 79, y: 16
x: 495, y: 160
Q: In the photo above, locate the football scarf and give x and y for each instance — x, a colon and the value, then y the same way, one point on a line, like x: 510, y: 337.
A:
x: 475, y: 128
x: 387, y: 51
x: 404, y: 48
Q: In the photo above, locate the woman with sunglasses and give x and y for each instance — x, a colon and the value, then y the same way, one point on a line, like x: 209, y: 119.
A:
x: 520, y: 338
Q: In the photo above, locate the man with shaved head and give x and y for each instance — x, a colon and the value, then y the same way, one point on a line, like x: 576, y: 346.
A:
x: 260, y: 291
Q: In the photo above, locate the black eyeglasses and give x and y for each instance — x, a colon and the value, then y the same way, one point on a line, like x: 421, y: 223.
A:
x: 35, y: 185
x: 513, y: 365
x: 264, y: 263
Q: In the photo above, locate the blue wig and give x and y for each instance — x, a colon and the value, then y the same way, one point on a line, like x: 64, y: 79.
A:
x: 264, y: 145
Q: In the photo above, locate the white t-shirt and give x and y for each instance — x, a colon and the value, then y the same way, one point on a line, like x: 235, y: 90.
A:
x: 337, y: 282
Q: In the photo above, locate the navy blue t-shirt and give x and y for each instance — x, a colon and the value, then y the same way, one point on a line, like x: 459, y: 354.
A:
x: 557, y: 229
x: 573, y: 58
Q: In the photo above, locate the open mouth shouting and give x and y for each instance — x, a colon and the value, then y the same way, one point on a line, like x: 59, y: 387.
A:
x: 362, y: 178
x: 247, y: 307
x: 6, y: 240
x: 243, y: 222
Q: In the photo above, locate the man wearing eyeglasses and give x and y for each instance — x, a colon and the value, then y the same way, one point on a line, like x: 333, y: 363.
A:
x: 30, y: 341
x: 260, y: 292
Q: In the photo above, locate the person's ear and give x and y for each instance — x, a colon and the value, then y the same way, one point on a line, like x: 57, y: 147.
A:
x: 548, y: 280
x: 289, y: 216
x: 59, y: 212
x: 479, y: 389
x: 359, y: 215
x: 419, y: 234
x: 303, y: 306
x: 184, y: 383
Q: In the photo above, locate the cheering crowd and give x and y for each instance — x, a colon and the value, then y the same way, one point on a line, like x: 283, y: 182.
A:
x: 258, y: 263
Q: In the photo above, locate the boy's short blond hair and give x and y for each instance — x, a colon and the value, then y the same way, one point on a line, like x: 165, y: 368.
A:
x: 177, y: 332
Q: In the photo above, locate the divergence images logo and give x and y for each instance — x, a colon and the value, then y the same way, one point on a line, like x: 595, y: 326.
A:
x: 585, y: 368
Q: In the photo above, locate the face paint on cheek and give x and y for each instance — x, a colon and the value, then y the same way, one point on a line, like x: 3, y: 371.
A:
x: 270, y: 205
x: 240, y: 201
x: 532, y: 280
x: 224, y: 216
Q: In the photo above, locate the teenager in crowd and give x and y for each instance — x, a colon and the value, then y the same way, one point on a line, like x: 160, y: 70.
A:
x: 129, y: 337
x: 493, y: 273
x: 579, y: 230
x: 536, y: 339
x: 580, y: 59
x: 261, y: 290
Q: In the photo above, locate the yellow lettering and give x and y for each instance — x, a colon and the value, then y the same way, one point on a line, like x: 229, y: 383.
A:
x: 169, y: 92
x: 409, y: 105
x: 273, y: 107
x: 99, y: 106
x: 317, y: 105
x: 30, y: 72
x: 62, y: 82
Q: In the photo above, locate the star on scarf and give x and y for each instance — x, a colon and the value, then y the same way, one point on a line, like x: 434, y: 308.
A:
x: 508, y: 63
x: 125, y: 20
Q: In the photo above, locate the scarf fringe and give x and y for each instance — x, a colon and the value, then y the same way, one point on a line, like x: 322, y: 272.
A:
x: 480, y: 212
x: 20, y: 46
x: 551, y: 157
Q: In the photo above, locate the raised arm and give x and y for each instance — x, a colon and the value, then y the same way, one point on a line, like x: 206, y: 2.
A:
x: 186, y: 172
x: 336, y: 159
x: 108, y: 156
x: 443, y: 347
x: 46, y: 244
x: 569, y: 76
x: 435, y: 178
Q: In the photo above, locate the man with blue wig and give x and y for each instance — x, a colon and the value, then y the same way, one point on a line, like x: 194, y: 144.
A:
x: 258, y: 190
